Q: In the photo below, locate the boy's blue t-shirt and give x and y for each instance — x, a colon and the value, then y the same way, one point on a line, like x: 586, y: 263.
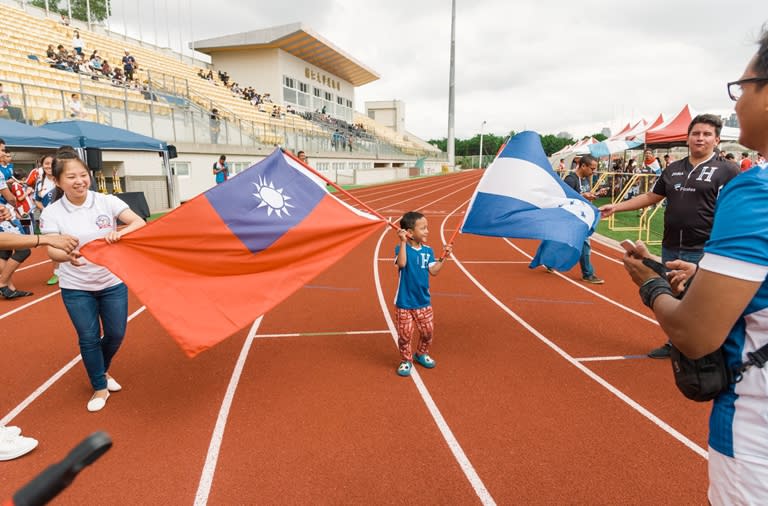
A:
x: 413, y: 285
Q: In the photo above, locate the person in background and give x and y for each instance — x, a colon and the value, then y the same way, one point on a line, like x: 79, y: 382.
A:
x: 12, y: 444
x: 726, y: 304
x: 745, y: 163
x: 691, y: 187
x: 77, y: 43
x: 221, y: 169
x: 44, y: 191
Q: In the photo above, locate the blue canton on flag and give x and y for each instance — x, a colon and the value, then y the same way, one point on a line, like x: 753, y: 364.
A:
x: 521, y: 196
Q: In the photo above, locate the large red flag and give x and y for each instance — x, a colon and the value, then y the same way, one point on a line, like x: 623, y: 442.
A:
x: 213, y: 265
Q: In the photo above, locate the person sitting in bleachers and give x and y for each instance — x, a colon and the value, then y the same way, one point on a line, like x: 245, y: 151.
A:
x: 50, y: 54
x: 7, y: 110
x: 129, y: 65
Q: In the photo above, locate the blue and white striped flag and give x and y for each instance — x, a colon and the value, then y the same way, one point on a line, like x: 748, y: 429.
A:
x: 521, y: 196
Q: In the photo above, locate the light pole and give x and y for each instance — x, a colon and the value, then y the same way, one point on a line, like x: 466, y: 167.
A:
x: 481, y: 142
x: 451, y: 143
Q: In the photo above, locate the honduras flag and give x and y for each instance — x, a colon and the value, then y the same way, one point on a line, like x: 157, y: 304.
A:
x: 520, y: 196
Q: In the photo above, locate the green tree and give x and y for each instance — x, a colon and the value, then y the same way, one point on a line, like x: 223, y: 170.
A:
x: 553, y: 143
x: 98, y: 8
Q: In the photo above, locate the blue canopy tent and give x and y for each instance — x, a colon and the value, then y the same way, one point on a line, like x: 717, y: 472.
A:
x: 20, y: 136
x: 95, y: 135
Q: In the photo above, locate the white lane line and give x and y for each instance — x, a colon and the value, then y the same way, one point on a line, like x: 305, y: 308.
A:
x: 212, y: 457
x: 310, y: 334
x: 28, y: 304
x: 458, y: 453
x: 606, y: 359
x: 602, y: 382
x: 50, y: 381
x: 596, y: 294
x: 32, y: 265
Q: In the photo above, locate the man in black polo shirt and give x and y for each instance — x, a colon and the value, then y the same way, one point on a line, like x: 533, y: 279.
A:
x: 691, y: 187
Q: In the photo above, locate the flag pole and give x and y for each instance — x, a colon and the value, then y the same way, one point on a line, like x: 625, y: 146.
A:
x: 340, y: 189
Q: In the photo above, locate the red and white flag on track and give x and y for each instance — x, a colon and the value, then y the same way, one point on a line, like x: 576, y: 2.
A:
x: 212, y: 266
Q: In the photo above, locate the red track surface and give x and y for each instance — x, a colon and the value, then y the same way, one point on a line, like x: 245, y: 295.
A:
x: 322, y: 418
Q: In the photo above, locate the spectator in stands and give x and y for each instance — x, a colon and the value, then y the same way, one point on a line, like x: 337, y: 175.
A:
x: 75, y: 107
x: 221, y: 169
x: 760, y: 159
x: 106, y: 70
x: 5, y: 102
x: 64, y: 19
x: 117, y: 76
x: 50, y: 53
x: 730, y: 157
x: 129, y: 65
x: 301, y: 155
x: 691, y: 187
x: 215, y: 125
x: 77, y: 43
x: 745, y: 163
x: 735, y: 263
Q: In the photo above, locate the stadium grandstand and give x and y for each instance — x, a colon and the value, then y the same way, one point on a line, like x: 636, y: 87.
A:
x: 203, y: 109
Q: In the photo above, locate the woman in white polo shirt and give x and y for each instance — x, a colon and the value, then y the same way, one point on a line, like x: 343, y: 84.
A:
x: 91, y: 294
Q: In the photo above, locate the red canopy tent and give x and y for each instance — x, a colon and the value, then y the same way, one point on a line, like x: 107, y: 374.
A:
x: 673, y: 131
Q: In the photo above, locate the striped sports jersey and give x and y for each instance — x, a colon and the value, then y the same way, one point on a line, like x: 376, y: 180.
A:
x: 738, y: 247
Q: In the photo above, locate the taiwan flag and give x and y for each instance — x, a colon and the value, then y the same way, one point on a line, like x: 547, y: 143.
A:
x: 212, y: 266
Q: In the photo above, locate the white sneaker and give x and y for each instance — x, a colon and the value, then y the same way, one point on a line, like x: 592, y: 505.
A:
x: 97, y: 403
x: 113, y: 386
x: 9, y: 432
x: 16, y: 447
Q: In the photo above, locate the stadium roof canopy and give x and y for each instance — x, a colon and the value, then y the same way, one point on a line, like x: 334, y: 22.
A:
x: 300, y: 41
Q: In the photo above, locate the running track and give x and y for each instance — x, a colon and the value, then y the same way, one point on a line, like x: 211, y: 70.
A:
x: 541, y: 395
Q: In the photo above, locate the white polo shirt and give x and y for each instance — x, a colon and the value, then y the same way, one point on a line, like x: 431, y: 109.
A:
x: 96, y: 218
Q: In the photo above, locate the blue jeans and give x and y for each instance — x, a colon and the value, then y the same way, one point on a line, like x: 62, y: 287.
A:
x: 584, y: 260
x: 687, y: 255
x: 86, y: 309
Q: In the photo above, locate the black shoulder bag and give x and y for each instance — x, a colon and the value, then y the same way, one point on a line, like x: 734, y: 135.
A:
x: 705, y: 378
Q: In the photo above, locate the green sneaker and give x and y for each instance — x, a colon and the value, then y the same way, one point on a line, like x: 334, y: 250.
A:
x: 54, y: 279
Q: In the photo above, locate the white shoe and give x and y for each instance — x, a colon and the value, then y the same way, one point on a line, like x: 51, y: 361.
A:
x: 97, y: 403
x: 9, y: 432
x: 113, y: 386
x: 16, y: 447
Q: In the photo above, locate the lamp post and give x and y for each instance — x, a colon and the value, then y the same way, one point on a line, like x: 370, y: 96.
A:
x: 481, y: 142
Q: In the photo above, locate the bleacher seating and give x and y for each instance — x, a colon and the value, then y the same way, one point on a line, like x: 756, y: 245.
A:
x: 47, y: 89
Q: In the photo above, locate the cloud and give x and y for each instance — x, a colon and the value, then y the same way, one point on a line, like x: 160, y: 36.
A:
x: 547, y: 65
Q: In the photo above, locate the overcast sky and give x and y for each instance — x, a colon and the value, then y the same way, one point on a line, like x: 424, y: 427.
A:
x: 544, y: 65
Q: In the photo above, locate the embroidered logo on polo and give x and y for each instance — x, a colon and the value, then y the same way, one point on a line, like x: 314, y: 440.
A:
x: 103, y: 221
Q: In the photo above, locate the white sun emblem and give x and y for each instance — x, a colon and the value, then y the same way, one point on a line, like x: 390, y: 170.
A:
x: 272, y: 198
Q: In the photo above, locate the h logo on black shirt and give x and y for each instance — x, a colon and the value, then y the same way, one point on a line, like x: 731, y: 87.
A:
x: 706, y: 174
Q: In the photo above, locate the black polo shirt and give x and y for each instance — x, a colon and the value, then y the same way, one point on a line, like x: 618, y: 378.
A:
x: 691, y: 194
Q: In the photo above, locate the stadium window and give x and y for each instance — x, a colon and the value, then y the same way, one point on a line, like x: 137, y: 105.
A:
x: 289, y: 95
x: 316, y: 92
x: 288, y: 82
x: 303, y: 100
x: 181, y: 169
x: 322, y: 165
x: 329, y: 96
x: 238, y: 167
x: 303, y: 87
x: 340, y: 100
x: 349, y: 103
